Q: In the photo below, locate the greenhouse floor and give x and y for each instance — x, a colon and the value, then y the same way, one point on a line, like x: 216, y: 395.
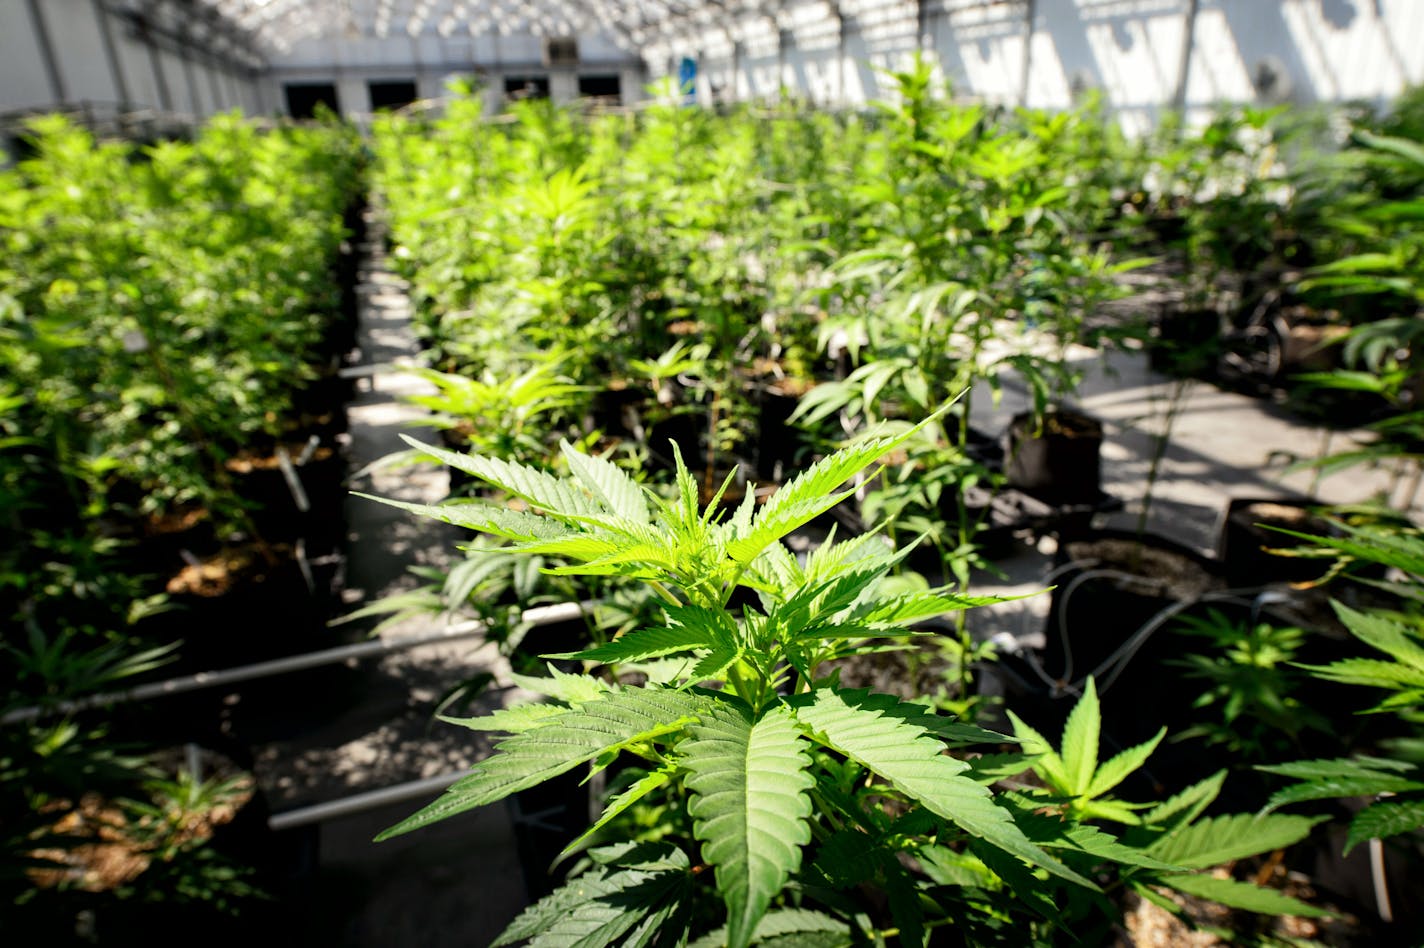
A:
x: 461, y: 883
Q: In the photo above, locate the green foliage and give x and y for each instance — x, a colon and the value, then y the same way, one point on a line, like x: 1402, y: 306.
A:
x: 1250, y: 684
x: 1394, y: 783
x: 792, y: 792
x: 1074, y: 772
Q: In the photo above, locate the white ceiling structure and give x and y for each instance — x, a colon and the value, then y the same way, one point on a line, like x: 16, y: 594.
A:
x: 277, y: 24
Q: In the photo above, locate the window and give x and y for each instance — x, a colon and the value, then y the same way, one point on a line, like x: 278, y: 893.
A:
x: 601, y: 87
x: 304, y: 98
x: 526, y: 87
x: 391, y: 94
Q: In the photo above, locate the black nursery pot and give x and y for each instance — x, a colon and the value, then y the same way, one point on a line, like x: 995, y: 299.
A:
x: 1185, y: 342
x: 1058, y: 462
x: 1111, y: 583
x: 1246, y: 539
x: 1109, y: 586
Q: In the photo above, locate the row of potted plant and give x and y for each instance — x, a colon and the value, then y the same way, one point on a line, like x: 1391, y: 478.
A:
x: 171, y: 323
x: 876, y: 267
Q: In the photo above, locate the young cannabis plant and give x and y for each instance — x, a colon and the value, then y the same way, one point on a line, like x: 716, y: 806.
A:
x: 766, y: 758
x: 1396, y: 783
x: 1074, y: 774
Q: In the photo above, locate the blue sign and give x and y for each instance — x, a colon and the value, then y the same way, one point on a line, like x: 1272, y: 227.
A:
x: 687, y: 79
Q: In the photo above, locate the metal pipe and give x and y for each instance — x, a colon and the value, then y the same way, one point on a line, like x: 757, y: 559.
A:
x: 111, y: 52
x: 1189, y: 32
x: 1031, y: 21
x: 361, y: 802
x: 46, y: 47
x: 540, y: 615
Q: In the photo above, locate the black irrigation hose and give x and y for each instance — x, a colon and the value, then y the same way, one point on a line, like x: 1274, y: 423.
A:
x: 1112, y: 666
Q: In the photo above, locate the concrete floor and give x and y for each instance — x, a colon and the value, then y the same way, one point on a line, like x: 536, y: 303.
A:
x: 1221, y: 445
x: 459, y: 883
x: 373, y: 725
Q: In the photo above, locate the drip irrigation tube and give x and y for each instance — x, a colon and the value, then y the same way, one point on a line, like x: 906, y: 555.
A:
x: 540, y: 615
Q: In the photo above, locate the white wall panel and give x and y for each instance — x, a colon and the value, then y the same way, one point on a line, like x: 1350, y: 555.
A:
x: 24, y: 83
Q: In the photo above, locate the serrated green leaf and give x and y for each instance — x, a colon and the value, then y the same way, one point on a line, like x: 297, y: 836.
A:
x: 991, y: 768
x: 513, y: 720
x: 1080, y: 743
x: 564, y: 686
x: 518, y: 525
x: 645, y: 644
x: 1121, y: 765
x: 884, y: 735
x: 812, y: 492
x: 653, y: 780
x: 1384, y: 819
x: 598, y: 907
x: 1371, y: 672
x: 1240, y: 895
x: 947, y: 866
x: 558, y: 745
x: 539, y: 489
x: 750, y: 803
x: 1186, y: 806
x: 787, y: 922
x: 1379, y: 632
x: 609, y: 483
x: 917, y: 608
x: 1046, y: 763
x: 715, y: 663
x: 955, y: 732
x: 1056, y: 833
x: 1220, y: 839
x: 1331, y: 788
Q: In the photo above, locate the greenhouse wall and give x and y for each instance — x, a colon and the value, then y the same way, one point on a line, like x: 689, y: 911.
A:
x: 78, y: 54
x: 1047, y: 53
x: 352, y: 64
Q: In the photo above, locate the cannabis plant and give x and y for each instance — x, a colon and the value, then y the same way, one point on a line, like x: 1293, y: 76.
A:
x: 1395, y: 780
x: 783, y: 800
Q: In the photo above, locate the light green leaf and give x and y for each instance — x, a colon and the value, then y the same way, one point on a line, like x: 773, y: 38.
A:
x: 750, y: 802
x: 1186, y: 806
x: 645, y: 644
x: 1369, y: 671
x: 609, y: 483
x: 1080, y: 742
x: 1379, y: 632
x: 606, y: 902
x: 880, y: 733
x: 1384, y: 819
x: 1220, y: 839
x: 538, y: 488
x: 1047, y: 764
x: 1121, y: 765
x: 1240, y: 895
x: 653, y: 780
x: 811, y: 493
x: 514, y: 720
x: 558, y: 745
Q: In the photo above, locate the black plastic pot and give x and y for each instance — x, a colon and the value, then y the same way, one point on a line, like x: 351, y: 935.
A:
x: 1057, y: 460
x: 1114, y: 592
x: 1185, y: 342
x: 1246, y: 539
x: 778, y: 441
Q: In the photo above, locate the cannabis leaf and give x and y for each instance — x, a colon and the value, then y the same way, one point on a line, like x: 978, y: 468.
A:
x: 558, y: 744
x: 884, y: 735
x: 749, y: 783
x: 1074, y: 772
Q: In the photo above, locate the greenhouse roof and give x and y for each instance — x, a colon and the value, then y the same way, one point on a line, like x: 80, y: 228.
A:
x: 276, y: 24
